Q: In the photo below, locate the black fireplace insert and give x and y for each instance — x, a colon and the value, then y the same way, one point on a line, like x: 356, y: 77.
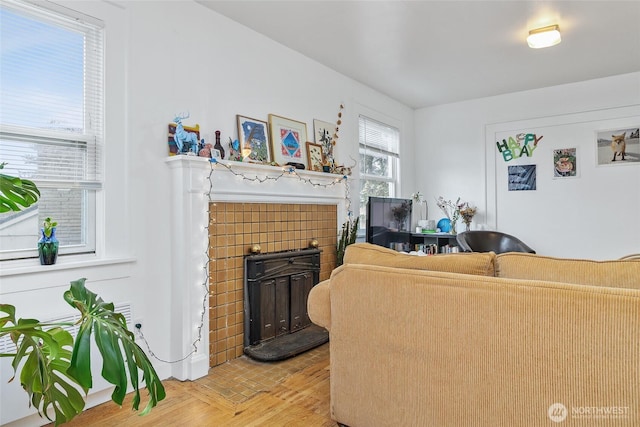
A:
x: 276, y: 288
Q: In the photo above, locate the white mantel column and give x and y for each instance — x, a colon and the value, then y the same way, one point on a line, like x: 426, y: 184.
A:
x: 189, y: 258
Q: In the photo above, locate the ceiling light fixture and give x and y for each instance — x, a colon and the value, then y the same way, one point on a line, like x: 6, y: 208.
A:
x: 544, y: 37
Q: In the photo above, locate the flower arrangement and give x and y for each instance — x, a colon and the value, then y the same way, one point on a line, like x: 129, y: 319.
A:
x: 400, y: 212
x: 329, y: 142
x: 419, y: 199
x: 453, y: 211
x: 450, y: 209
x: 467, y: 213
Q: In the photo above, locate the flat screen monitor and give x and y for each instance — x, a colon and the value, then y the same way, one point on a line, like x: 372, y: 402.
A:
x: 387, y: 216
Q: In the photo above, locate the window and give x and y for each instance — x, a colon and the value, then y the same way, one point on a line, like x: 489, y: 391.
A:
x: 51, y: 123
x: 379, y: 145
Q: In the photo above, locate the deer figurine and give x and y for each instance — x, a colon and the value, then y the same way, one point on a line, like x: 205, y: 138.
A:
x: 185, y: 141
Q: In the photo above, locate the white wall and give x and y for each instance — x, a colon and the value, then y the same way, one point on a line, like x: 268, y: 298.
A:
x: 451, y: 147
x: 165, y: 58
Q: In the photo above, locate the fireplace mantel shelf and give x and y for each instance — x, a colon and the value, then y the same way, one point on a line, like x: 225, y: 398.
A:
x: 251, y: 169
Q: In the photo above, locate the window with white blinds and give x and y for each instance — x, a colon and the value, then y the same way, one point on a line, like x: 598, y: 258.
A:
x: 51, y: 122
x: 379, y: 154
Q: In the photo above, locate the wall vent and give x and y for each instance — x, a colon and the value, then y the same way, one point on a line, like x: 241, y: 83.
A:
x: 7, y: 346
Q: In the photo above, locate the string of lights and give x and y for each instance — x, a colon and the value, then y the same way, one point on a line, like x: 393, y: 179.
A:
x: 287, y: 171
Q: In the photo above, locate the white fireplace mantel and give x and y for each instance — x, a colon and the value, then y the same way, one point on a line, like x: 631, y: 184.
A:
x: 196, y: 181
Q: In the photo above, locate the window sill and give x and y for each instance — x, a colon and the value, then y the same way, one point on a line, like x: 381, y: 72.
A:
x: 24, y: 275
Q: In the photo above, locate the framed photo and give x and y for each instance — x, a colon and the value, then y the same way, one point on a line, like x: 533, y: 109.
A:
x: 315, y: 157
x: 619, y: 146
x: 323, y: 135
x: 253, y: 135
x: 565, y: 163
x: 287, y: 140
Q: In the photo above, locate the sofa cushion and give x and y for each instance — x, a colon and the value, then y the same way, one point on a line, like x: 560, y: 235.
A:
x: 480, y: 264
x: 618, y: 274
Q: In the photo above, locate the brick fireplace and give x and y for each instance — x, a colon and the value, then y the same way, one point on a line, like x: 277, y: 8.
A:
x: 234, y: 227
x: 240, y: 204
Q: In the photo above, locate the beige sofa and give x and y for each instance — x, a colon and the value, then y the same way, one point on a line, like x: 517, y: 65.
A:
x: 478, y: 339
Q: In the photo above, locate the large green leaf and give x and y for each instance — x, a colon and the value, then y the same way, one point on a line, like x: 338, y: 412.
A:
x: 43, y: 357
x: 16, y: 194
x: 116, y: 344
x: 52, y: 374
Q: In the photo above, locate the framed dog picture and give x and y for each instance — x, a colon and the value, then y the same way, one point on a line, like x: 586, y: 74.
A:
x: 619, y: 146
x: 287, y: 140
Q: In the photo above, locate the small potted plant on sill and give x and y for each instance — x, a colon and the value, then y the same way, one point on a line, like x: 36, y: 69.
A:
x: 48, y: 243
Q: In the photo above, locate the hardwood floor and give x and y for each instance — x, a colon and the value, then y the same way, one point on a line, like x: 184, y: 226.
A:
x: 300, y: 399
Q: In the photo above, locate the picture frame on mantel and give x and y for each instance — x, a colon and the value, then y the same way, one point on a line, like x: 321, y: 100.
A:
x: 315, y: 157
x: 253, y: 135
x: 288, y: 138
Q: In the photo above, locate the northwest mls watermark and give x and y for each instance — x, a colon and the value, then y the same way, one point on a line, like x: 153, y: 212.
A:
x: 558, y: 412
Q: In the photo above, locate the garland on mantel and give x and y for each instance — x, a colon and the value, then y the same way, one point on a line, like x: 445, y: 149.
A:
x: 287, y: 171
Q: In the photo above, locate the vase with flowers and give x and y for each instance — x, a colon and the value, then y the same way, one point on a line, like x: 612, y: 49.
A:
x: 400, y: 213
x: 451, y: 210
x: 467, y: 213
x: 419, y: 199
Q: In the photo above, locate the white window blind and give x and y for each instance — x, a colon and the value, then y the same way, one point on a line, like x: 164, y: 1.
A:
x: 51, y: 122
x: 379, y: 154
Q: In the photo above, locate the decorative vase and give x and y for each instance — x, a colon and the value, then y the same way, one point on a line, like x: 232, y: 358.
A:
x: 48, y: 247
x: 444, y: 225
x: 454, y: 226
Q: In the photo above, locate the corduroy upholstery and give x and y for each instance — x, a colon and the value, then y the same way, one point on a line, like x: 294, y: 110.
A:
x: 411, y: 347
x: 365, y: 253
x: 468, y: 263
x: 618, y: 274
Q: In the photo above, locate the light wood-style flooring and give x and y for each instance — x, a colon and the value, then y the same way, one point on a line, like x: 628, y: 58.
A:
x: 300, y: 397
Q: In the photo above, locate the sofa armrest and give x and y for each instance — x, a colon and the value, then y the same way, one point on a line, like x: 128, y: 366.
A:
x: 319, y: 304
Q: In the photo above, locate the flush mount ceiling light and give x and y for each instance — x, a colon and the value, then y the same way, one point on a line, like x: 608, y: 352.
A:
x: 544, y: 37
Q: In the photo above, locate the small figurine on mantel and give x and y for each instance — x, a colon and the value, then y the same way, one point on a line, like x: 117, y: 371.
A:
x: 234, y: 150
x: 186, y: 142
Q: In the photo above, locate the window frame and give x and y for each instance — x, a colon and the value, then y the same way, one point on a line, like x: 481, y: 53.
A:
x: 394, y: 157
x: 93, y: 131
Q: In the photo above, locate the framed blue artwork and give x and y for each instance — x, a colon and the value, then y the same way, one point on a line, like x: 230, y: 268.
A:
x: 288, y: 140
x: 253, y: 135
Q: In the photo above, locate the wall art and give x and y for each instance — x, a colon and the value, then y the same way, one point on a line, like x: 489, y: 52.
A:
x: 287, y: 140
x: 253, y: 135
x: 522, y: 178
x: 315, y: 157
x: 565, y: 163
x: 619, y: 146
x: 323, y: 135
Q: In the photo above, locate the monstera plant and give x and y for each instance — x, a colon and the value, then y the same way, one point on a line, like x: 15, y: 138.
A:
x: 15, y: 193
x: 52, y: 367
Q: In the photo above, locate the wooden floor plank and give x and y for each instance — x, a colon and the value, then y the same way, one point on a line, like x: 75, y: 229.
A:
x: 301, y: 399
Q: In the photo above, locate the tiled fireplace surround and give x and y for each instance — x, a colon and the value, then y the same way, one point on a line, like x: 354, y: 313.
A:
x: 246, y: 205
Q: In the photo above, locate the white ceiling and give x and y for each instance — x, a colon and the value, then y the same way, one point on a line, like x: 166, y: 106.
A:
x: 425, y: 53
